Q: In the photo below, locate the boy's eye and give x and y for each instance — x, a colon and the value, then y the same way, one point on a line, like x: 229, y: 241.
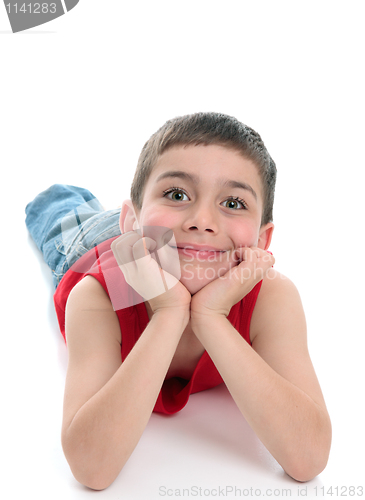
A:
x: 233, y: 202
x: 176, y: 194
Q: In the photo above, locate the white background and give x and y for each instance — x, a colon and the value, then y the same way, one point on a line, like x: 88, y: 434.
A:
x: 79, y: 96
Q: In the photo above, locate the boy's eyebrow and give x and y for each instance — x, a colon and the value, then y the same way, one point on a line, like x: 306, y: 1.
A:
x: 196, y: 179
x: 242, y: 185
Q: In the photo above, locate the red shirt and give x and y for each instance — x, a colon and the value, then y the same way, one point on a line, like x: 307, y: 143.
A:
x: 133, y: 319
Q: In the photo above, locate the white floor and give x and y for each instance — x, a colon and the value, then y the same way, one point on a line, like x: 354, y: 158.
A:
x: 77, y: 103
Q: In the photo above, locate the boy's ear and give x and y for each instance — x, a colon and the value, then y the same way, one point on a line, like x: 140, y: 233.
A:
x: 265, y: 236
x: 128, y: 220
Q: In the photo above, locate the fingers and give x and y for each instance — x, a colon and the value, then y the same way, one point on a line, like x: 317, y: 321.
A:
x: 253, y: 263
x: 131, y: 247
x: 249, y: 254
x: 143, y: 248
x: 253, y: 254
x: 138, y: 259
x: 134, y: 252
x: 122, y: 247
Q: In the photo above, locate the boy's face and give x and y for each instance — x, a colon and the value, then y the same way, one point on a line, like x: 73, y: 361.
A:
x: 211, y: 197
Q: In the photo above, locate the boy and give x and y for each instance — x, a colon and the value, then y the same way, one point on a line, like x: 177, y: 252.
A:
x: 227, y: 316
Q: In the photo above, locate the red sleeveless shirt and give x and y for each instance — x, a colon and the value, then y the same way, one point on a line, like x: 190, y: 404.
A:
x: 101, y: 264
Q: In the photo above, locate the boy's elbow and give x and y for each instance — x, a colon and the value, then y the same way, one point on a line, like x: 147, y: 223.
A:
x: 94, y: 481
x: 306, y: 466
x: 305, y: 471
x: 91, y: 476
x: 88, y: 471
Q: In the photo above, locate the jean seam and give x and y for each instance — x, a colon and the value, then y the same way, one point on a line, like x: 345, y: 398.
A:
x: 97, y: 222
x: 61, y: 272
x: 83, y: 233
x: 106, y: 231
x: 79, y: 244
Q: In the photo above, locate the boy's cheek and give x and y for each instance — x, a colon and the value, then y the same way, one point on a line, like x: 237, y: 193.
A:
x: 247, y: 236
x: 153, y: 216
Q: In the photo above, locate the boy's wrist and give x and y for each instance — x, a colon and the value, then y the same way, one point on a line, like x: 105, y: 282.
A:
x: 179, y: 314
x: 200, y: 320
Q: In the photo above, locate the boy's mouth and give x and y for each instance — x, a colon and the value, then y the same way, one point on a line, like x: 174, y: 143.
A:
x: 201, y: 251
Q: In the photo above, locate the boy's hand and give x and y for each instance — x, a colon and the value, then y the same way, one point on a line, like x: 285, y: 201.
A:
x: 160, y: 286
x: 218, y: 296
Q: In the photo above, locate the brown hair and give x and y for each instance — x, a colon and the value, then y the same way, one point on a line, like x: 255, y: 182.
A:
x: 207, y: 128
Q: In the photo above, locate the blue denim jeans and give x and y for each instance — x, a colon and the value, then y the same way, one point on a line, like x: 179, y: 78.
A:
x: 67, y: 221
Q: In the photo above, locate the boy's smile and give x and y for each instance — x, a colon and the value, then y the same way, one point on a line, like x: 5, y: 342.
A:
x: 211, y: 197
x: 194, y: 251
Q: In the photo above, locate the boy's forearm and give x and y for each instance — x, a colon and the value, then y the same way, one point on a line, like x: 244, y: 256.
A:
x: 289, y: 423
x: 106, y: 429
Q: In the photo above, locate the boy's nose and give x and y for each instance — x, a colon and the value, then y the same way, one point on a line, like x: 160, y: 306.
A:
x: 201, y: 220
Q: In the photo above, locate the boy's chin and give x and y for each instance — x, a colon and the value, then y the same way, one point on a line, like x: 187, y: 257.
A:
x: 193, y: 285
x: 196, y: 279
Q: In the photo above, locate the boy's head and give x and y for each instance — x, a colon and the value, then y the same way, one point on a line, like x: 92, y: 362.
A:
x: 209, y: 179
x: 207, y: 129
